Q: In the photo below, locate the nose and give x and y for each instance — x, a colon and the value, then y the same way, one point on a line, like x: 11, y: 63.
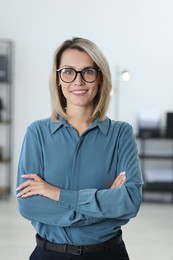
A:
x: 79, y: 80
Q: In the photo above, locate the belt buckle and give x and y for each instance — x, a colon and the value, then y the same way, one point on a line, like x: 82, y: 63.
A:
x: 79, y: 251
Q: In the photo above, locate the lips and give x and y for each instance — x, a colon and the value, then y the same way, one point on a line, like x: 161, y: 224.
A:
x: 79, y: 92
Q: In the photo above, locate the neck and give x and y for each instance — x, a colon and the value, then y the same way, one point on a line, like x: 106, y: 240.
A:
x: 80, y: 119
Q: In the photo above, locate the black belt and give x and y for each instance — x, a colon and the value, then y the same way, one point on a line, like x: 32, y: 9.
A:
x: 77, y: 249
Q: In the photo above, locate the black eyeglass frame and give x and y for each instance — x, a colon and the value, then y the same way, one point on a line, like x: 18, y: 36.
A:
x: 80, y: 72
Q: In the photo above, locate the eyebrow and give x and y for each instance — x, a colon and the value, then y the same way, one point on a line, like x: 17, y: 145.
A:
x: 73, y: 67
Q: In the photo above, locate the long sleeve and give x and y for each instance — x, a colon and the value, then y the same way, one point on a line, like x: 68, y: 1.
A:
x: 43, y: 210
x: 39, y: 208
x: 119, y: 203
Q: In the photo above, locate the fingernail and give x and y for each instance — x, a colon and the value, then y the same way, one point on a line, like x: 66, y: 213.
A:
x: 122, y: 173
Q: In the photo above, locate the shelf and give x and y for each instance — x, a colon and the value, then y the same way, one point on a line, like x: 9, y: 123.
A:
x: 161, y: 138
x: 153, y: 157
x: 158, y: 186
x: 5, y: 160
x: 5, y: 116
x: 162, y: 156
x: 4, y: 191
x: 5, y: 121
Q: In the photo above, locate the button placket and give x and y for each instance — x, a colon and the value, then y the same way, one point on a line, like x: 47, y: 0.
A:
x: 76, y: 163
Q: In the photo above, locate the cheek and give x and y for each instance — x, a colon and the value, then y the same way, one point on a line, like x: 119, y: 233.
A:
x: 95, y: 90
x: 64, y: 87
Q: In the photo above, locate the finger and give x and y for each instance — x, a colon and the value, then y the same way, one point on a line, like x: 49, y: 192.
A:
x: 119, y: 181
x: 32, y: 189
x: 122, y: 174
x: 29, y: 182
x: 27, y: 193
x: 31, y: 176
x: 23, y: 192
x: 23, y: 185
x: 118, y: 184
x: 115, y: 183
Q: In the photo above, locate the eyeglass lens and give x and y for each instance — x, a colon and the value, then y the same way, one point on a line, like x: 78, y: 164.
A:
x: 69, y: 74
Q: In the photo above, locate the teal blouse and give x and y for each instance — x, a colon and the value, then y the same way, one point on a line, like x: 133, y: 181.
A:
x: 84, y: 167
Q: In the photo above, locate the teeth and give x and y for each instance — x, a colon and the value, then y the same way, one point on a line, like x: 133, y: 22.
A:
x: 79, y: 91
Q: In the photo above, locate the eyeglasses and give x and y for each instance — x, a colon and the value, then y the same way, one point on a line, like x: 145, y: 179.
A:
x: 68, y: 75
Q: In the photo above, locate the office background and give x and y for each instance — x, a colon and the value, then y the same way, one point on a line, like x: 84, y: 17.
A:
x: 134, y: 35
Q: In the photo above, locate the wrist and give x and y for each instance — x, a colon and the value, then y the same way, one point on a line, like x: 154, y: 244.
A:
x: 54, y: 193
x: 57, y: 194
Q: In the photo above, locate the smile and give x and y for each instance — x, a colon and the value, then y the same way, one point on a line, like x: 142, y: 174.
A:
x: 79, y: 92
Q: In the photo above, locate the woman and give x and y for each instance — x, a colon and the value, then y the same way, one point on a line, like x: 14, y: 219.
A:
x: 79, y: 179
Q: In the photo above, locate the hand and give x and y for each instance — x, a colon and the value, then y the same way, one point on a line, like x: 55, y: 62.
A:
x: 119, y: 181
x: 37, y: 186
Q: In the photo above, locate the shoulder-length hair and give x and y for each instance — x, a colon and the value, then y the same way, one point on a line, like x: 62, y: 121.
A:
x: 101, y: 102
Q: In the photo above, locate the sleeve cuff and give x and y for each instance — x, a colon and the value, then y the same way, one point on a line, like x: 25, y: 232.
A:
x: 68, y: 199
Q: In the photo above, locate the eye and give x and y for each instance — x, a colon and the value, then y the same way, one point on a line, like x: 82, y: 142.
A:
x: 89, y: 71
x: 68, y: 71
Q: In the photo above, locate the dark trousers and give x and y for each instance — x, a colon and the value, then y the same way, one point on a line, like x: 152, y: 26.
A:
x: 117, y: 253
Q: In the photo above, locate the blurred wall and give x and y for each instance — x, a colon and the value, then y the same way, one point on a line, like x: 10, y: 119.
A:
x: 134, y: 35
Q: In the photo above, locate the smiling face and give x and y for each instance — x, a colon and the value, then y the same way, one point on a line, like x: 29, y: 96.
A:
x: 78, y: 94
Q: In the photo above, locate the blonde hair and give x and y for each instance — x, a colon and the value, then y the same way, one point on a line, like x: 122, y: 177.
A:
x: 101, y: 102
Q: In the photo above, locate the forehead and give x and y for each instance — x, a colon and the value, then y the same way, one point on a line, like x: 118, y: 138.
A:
x: 75, y: 58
